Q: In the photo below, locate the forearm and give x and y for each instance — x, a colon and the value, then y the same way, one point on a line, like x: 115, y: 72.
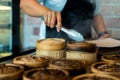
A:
x: 33, y: 8
x: 99, y: 24
x: 100, y: 28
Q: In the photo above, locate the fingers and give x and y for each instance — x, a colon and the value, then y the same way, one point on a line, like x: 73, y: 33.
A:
x: 53, y: 19
x: 59, y: 20
x: 47, y: 19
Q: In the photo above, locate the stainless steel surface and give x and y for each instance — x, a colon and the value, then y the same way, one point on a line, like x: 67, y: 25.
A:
x: 73, y: 34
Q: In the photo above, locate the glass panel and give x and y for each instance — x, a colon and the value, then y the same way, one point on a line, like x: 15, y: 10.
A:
x: 5, y: 28
x: 29, y: 30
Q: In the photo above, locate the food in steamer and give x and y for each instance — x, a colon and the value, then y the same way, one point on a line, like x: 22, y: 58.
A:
x: 32, y: 61
x: 111, y: 58
x: 7, y: 69
x: 74, y: 67
x: 114, y: 57
x: 95, y: 77
x: 81, y: 46
x: 68, y: 63
x: 113, y: 67
x: 32, y: 58
x: 48, y: 75
x: 11, y: 72
x: 45, y: 74
x: 106, y: 68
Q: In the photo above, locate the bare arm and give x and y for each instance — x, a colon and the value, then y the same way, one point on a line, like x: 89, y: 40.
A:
x: 99, y: 26
x: 34, y: 8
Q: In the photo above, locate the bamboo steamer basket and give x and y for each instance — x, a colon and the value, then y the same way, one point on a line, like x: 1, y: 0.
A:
x: 53, y: 54
x: 52, y: 47
x: 50, y: 44
x: 111, y: 58
x: 74, y: 67
x: 88, y: 57
x: 15, y: 75
x: 82, y: 50
x: 108, y: 66
x: 27, y: 75
x: 29, y: 62
x: 95, y: 77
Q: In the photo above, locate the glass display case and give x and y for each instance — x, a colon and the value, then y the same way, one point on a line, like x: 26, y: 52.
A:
x: 5, y: 28
x: 13, y: 33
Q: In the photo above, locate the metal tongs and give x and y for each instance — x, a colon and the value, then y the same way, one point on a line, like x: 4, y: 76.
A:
x: 73, y: 34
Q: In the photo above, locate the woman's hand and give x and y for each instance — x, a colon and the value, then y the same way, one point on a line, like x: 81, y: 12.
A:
x: 52, y: 19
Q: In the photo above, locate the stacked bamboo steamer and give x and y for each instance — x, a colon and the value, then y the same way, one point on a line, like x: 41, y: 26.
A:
x: 82, y: 50
x: 52, y: 47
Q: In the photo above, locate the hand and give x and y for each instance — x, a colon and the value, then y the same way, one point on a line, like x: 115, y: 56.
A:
x: 52, y: 19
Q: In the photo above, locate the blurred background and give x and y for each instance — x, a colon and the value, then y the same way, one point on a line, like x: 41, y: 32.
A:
x: 110, y: 10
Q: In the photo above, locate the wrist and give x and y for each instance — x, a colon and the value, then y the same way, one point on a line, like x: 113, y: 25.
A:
x: 44, y: 10
x: 102, y: 34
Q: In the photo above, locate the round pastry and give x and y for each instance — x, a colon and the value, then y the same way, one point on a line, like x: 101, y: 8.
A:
x: 50, y: 44
x: 46, y: 74
x: 81, y: 46
x: 95, y: 77
x: 74, y: 67
x: 106, y: 68
x: 111, y: 58
x: 11, y: 72
x: 32, y: 61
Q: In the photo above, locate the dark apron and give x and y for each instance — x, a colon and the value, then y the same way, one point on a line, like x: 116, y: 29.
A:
x: 72, y: 21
